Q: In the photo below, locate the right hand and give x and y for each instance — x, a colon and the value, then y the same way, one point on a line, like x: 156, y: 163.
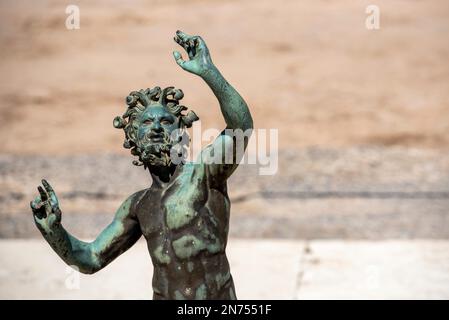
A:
x: 45, y: 208
x: 199, y: 62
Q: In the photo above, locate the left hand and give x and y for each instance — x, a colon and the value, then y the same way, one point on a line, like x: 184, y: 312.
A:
x: 199, y: 58
x: 45, y: 209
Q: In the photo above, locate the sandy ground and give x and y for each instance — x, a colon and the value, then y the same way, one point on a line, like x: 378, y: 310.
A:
x: 309, y: 68
x: 262, y: 269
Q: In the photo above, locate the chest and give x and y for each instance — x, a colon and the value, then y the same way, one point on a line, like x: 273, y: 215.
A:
x: 184, y: 218
x: 177, y: 205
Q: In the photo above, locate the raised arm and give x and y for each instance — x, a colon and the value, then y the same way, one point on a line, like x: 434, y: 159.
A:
x: 88, y: 257
x: 234, y: 109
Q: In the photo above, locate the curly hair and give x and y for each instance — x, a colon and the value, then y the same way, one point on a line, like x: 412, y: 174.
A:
x: 138, y: 101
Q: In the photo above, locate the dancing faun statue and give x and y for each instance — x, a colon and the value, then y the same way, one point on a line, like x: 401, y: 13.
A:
x: 184, y: 214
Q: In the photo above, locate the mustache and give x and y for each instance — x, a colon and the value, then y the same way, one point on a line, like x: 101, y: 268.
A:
x: 155, y: 152
x: 156, y: 134
x: 148, y: 138
x: 158, y: 152
x: 154, y: 147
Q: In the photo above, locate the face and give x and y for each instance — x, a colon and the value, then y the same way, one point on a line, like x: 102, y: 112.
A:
x: 156, y: 125
x: 155, y: 122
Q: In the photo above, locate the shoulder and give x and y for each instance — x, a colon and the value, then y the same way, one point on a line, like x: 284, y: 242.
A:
x: 218, y: 159
x: 210, y: 173
x: 127, y: 208
x: 216, y: 152
x: 137, y: 196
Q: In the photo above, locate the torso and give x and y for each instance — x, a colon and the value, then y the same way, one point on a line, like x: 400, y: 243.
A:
x: 186, y: 225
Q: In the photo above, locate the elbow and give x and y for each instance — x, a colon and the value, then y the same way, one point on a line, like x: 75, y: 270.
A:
x: 83, y: 268
x: 248, y: 125
x: 89, y: 270
x: 249, y: 121
x: 246, y: 122
x: 87, y: 262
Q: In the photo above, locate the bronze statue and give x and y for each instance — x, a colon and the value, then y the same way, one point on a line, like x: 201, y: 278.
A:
x: 184, y: 215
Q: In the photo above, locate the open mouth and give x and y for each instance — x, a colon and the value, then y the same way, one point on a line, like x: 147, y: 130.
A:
x: 156, y: 138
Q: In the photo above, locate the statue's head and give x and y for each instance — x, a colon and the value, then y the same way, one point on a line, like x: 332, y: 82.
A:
x: 154, y: 123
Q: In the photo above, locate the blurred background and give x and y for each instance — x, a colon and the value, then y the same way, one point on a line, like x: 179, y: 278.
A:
x: 359, y: 207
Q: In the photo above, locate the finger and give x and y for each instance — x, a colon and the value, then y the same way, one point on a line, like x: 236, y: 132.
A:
x: 36, y: 207
x: 191, y: 48
x: 183, y: 44
x: 184, y: 36
x: 178, y: 58
x: 50, y: 191
x: 47, y: 186
x: 199, y: 42
x: 178, y: 40
x: 43, y: 194
x: 196, y: 42
x: 36, y: 212
x: 35, y: 203
x: 45, y: 203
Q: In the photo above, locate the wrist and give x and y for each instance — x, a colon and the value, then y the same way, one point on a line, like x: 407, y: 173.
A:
x: 49, y: 228
x: 210, y: 73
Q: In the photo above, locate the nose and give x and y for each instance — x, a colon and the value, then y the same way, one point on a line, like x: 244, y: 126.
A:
x: 156, y: 127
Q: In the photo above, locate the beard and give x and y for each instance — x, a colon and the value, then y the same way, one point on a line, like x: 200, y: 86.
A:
x: 154, y: 153
x: 160, y: 154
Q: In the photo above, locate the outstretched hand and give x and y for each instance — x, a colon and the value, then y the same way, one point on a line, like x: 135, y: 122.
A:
x: 45, y: 208
x: 199, y: 58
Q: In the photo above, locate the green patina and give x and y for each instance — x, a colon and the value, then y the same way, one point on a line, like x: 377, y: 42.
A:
x: 201, y: 292
x: 221, y: 279
x: 232, y: 294
x: 180, y: 210
x: 179, y: 295
x: 188, y: 246
x: 185, y: 200
x: 161, y: 255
